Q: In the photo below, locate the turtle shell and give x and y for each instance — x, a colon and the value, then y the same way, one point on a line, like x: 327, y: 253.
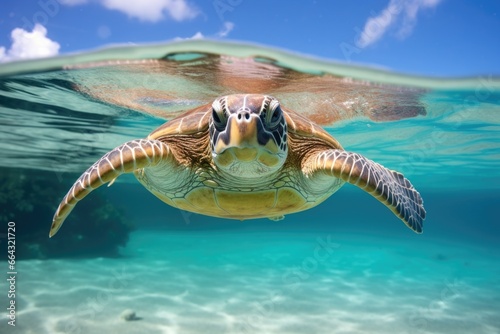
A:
x: 302, y: 127
x: 191, y: 122
x: 196, y: 121
x: 206, y: 192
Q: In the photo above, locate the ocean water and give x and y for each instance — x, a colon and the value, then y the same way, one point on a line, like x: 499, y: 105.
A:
x: 347, y: 266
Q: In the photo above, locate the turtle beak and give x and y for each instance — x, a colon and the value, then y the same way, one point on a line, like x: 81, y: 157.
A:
x: 243, y: 129
x: 241, y: 132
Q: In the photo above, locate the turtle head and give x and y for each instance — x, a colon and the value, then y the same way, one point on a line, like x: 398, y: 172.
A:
x: 248, y: 135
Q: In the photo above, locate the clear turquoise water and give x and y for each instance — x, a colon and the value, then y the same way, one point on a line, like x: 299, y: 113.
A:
x: 346, y: 266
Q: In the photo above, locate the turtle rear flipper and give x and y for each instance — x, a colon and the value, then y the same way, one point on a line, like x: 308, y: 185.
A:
x: 126, y: 158
x: 388, y: 186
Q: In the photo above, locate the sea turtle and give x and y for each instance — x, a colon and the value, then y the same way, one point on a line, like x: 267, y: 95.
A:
x: 245, y: 156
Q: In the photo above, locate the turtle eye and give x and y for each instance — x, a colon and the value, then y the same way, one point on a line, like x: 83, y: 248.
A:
x: 275, y: 116
x: 219, y: 119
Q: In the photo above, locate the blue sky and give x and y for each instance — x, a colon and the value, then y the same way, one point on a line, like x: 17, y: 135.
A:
x: 429, y: 37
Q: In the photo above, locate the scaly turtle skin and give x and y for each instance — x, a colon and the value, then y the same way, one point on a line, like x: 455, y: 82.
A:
x: 245, y: 157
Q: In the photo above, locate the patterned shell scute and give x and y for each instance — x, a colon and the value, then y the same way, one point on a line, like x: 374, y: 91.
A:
x: 194, y: 121
x: 305, y: 128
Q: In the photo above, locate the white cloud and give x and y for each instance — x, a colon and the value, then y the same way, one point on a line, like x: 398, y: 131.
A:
x: 198, y: 35
x: 27, y: 45
x: 228, y: 27
x: 145, y: 10
x: 398, y: 12
x: 153, y: 10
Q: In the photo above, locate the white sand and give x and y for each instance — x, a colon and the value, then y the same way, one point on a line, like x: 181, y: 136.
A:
x: 221, y: 282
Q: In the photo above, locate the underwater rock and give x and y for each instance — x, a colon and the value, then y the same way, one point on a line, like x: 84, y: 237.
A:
x: 129, y: 315
x: 29, y: 198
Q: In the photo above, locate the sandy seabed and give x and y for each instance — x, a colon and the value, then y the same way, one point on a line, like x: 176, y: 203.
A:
x: 263, y: 282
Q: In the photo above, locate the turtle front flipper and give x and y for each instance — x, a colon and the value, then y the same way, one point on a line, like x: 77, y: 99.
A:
x: 389, y: 187
x: 126, y: 158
